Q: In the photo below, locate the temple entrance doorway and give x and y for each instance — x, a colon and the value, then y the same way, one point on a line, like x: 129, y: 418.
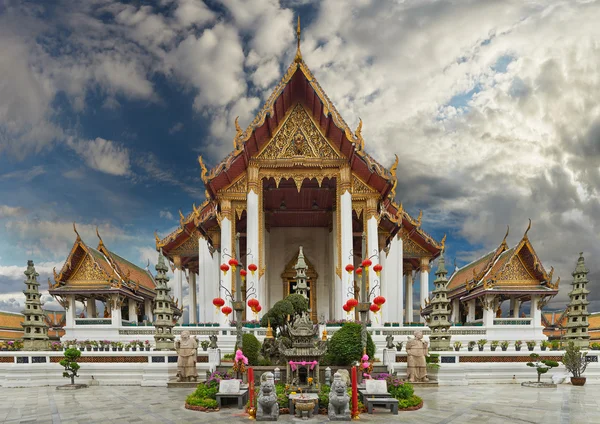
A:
x: 289, y: 283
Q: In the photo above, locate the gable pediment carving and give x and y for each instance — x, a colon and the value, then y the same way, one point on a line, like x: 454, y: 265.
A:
x: 412, y: 249
x: 88, y: 270
x: 298, y: 137
x: 516, y: 271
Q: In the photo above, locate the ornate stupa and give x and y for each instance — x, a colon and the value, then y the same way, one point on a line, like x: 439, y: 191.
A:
x: 301, y: 286
x: 577, y: 315
x: 440, y: 309
x: 35, y: 330
x: 163, y: 310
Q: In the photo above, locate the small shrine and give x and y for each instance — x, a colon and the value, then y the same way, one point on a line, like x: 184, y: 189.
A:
x: 302, y: 359
x: 163, y: 312
x: 35, y: 334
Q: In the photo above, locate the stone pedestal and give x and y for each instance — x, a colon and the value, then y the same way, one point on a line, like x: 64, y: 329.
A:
x: 35, y: 345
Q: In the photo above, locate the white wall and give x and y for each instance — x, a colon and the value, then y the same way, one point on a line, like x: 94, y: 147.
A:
x: 318, y: 248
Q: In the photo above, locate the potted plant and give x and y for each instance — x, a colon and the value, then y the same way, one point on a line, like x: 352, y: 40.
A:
x: 457, y: 346
x: 504, y: 345
x: 471, y: 345
x: 494, y: 345
x: 555, y: 344
x: 595, y: 346
x: 119, y: 346
x: 541, y: 366
x: 545, y: 344
x: 387, y: 324
x: 575, y: 363
x: 481, y: 343
x: 433, y: 364
x: 531, y: 345
x: 204, y: 344
x: 133, y: 345
x: 395, y: 324
x: 518, y: 345
x: 94, y: 344
x: 147, y: 345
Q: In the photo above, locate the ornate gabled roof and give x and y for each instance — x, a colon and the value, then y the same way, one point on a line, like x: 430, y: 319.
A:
x: 503, y: 269
x: 298, y: 85
x: 102, y: 269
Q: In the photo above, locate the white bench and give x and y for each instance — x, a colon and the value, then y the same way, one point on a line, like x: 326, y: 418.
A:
x: 231, y: 389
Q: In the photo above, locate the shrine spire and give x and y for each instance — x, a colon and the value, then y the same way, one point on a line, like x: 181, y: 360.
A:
x: 298, y: 57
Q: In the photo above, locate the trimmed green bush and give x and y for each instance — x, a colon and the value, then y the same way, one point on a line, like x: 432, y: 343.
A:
x: 344, y: 348
x: 299, y: 302
x: 277, y: 315
x: 413, y: 400
x: 251, y: 348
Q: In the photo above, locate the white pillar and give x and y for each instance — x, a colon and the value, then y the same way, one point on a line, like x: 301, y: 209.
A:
x: 385, y: 286
x: 148, y: 310
x: 424, y: 279
x: 347, y: 280
x: 471, y: 312
x: 517, y: 308
x: 91, y: 307
x: 372, y: 248
x: 488, y: 310
x: 399, y: 283
x: 225, y: 279
x: 178, y: 291
x: 70, y: 312
x: 536, y: 313
x: 455, y: 310
x: 132, y: 310
x: 115, y: 311
x: 252, y: 249
x: 193, y: 302
x: 408, y: 314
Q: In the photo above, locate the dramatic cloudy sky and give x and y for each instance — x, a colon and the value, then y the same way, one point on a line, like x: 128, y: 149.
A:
x: 492, y: 107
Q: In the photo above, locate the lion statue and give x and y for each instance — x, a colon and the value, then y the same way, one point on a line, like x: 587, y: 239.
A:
x: 267, y: 406
x: 339, y: 401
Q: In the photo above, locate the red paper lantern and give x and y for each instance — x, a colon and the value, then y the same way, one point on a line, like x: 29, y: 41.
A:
x: 377, y: 268
x: 352, y: 302
x: 252, y: 268
x: 367, y: 263
x: 218, y: 302
x: 349, y: 268
x: 226, y: 310
x: 359, y: 271
x: 253, y: 303
x: 346, y: 307
x: 243, y: 273
x: 374, y: 308
x: 258, y: 309
x: 379, y: 300
x: 233, y: 263
x: 224, y: 268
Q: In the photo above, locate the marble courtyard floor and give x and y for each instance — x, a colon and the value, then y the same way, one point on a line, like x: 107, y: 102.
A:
x: 449, y: 404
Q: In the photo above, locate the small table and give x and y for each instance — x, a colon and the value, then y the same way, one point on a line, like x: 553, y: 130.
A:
x: 390, y: 403
x: 364, y: 395
x: 241, y: 397
x: 312, y: 396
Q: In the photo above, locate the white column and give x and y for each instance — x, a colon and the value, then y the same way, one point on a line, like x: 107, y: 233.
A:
x: 91, y: 307
x: 385, y: 286
x: 455, y: 310
x: 424, y: 279
x: 517, y: 308
x: 347, y: 280
x: 115, y: 311
x: 372, y: 248
x: 70, y: 312
x: 488, y: 311
x: 148, y: 310
x: 471, y: 312
x: 132, y: 310
x: 408, y: 314
x: 536, y: 313
x: 193, y: 302
x: 225, y: 279
x: 399, y: 283
x: 252, y: 250
x: 178, y: 292
x: 205, y: 299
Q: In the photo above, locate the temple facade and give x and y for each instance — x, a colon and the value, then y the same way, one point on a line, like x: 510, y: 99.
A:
x: 113, y: 291
x: 514, y: 277
x: 299, y: 176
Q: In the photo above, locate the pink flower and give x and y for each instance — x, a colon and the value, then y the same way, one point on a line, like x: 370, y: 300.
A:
x: 365, y: 357
x: 245, y: 360
x: 365, y: 365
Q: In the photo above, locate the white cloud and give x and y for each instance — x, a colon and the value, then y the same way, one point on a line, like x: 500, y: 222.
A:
x: 10, y: 211
x: 176, y: 128
x: 25, y: 174
x: 103, y: 155
x: 193, y: 12
x: 166, y: 214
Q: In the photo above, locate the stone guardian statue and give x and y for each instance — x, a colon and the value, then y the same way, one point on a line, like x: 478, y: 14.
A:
x: 187, y: 352
x: 267, y: 407
x: 417, y: 350
x: 339, y: 401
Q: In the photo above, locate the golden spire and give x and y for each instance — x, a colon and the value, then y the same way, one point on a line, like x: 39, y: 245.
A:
x: 444, y: 243
x: 298, y: 54
x: 269, y: 334
x: 75, y: 229
x: 527, y: 230
x: 101, y: 243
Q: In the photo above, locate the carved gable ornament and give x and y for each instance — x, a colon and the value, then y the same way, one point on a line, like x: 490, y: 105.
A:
x: 88, y: 271
x: 413, y: 250
x: 516, y: 271
x: 298, y: 137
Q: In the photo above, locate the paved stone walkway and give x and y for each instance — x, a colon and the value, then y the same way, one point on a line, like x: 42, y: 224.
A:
x: 472, y: 404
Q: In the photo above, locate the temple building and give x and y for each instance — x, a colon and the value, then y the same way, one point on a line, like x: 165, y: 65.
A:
x: 515, y: 275
x: 113, y: 291
x: 299, y: 176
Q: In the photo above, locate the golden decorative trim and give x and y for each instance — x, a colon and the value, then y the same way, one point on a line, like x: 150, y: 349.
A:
x: 240, y: 207
x: 359, y: 207
x: 225, y: 209
x: 338, y: 223
x: 345, y: 179
x: 236, y: 189
x: 252, y: 174
x: 261, y: 230
x: 371, y: 208
x: 412, y: 249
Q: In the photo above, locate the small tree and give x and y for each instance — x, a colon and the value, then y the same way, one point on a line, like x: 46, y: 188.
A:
x: 69, y: 362
x: 541, y: 366
x: 574, y: 360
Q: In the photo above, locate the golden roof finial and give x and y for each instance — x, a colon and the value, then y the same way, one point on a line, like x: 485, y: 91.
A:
x: 444, y: 243
x: 204, y: 170
x: 75, y: 229
x: 269, y: 334
x: 420, y: 218
x: 506, y: 235
x: 527, y: 230
x: 101, y: 243
x: 298, y: 54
